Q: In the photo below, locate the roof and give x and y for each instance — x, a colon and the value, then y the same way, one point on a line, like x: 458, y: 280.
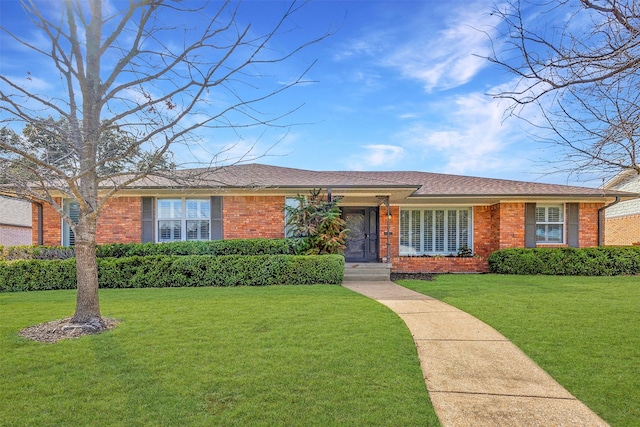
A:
x: 422, y: 184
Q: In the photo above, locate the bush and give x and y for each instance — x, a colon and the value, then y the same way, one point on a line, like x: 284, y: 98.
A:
x: 176, y: 271
x: 121, y: 250
x: 37, y: 252
x: 600, y: 261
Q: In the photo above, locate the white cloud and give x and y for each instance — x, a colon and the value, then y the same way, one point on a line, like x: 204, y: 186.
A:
x: 439, y: 59
x: 375, y: 156
x: 471, y: 138
x: 449, y: 57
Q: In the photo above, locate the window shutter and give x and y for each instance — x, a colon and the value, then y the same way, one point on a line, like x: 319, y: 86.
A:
x: 573, y: 224
x: 530, y: 225
x: 147, y: 220
x: 216, y: 218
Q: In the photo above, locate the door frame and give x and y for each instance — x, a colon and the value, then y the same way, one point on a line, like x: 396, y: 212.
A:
x: 372, y: 240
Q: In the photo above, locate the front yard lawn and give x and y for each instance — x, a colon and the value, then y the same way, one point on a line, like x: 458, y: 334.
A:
x: 259, y: 356
x: 584, y: 331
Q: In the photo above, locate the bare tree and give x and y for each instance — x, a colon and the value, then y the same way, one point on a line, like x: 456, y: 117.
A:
x: 136, y: 82
x: 578, y: 62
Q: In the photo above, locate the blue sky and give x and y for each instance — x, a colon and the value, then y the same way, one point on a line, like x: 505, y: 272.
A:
x: 399, y: 85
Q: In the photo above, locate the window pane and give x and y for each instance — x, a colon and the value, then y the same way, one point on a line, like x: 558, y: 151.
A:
x: 198, y: 209
x: 554, y: 233
x: 198, y: 230
x: 169, y: 208
x: 415, y: 231
x: 452, y: 231
x: 553, y: 214
x: 541, y: 214
x: 404, y: 231
x: 439, y: 231
x: 428, y: 231
x: 464, y: 228
x: 169, y: 231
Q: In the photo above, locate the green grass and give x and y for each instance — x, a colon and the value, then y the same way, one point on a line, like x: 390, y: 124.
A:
x: 584, y: 331
x: 267, y: 356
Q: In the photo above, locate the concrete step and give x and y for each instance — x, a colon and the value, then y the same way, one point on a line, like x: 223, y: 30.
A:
x: 366, y: 272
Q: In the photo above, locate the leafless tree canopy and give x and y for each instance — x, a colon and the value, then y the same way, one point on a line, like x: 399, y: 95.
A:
x: 578, y: 62
x: 132, y: 84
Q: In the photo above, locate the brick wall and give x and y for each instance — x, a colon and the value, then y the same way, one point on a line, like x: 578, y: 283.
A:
x: 253, y: 216
x: 14, y: 236
x: 588, y: 235
x: 498, y: 226
x: 416, y: 264
x: 51, y: 225
x: 483, y: 243
x: 510, y: 226
x: 119, y: 222
x: 622, y: 230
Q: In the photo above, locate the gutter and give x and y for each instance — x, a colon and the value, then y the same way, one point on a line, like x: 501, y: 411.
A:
x: 601, y: 220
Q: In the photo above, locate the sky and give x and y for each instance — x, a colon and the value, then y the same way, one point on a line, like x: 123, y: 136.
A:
x: 397, y: 85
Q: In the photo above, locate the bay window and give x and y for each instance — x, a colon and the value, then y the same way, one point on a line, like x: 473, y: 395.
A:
x: 438, y: 231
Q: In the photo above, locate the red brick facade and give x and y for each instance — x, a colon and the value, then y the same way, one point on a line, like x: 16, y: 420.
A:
x: 253, y: 216
x: 495, y: 227
x: 119, y: 222
x: 623, y: 230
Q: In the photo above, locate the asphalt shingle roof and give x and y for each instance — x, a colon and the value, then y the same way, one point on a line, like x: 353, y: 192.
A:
x: 426, y: 184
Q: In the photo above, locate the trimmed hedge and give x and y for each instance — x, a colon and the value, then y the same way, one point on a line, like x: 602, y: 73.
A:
x: 122, y: 250
x: 600, y: 261
x: 176, y: 271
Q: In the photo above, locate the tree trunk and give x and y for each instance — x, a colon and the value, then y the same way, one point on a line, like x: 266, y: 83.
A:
x: 87, y: 302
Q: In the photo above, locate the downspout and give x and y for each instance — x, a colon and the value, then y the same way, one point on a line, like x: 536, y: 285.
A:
x: 601, y: 220
x: 388, y: 229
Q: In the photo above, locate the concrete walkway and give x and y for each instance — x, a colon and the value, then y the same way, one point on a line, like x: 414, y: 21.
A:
x: 475, y: 376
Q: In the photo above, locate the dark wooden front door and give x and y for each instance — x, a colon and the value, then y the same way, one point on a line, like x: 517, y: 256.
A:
x: 362, y: 237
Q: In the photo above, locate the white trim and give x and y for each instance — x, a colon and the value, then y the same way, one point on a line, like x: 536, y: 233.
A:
x: 411, y: 251
x: 183, y: 217
x: 563, y: 223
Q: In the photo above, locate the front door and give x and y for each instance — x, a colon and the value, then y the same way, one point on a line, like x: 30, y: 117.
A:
x: 362, y: 237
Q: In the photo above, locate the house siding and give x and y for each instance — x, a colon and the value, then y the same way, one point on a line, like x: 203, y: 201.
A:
x: 622, y: 230
x: 14, y: 236
x: 253, y: 216
x: 497, y: 226
x: 119, y: 222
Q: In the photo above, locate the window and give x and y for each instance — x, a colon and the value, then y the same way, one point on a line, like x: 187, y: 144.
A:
x: 292, y: 203
x: 549, y: 223
x: 439, y: 231
x: 183, y: 219
x: 73, y: 210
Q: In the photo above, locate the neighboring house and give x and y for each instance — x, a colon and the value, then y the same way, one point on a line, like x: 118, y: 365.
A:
x: 15, y: 222
x: 418, y: 221
x: 622, y: 222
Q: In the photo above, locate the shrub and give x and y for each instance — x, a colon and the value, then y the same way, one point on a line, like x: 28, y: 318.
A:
x: 600, y: 261
x: 316, y: 224
x: 37, y: 252
x: 120, y: 250
x: 176, y: 271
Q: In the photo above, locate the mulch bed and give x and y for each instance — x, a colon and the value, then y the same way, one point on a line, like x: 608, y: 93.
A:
x: 60, y: 329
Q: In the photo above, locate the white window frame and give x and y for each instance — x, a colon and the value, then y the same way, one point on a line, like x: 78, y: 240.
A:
x: 290, y: 202
x: 182, y: 216
x: 548, y: 222
x: 415, y: 242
